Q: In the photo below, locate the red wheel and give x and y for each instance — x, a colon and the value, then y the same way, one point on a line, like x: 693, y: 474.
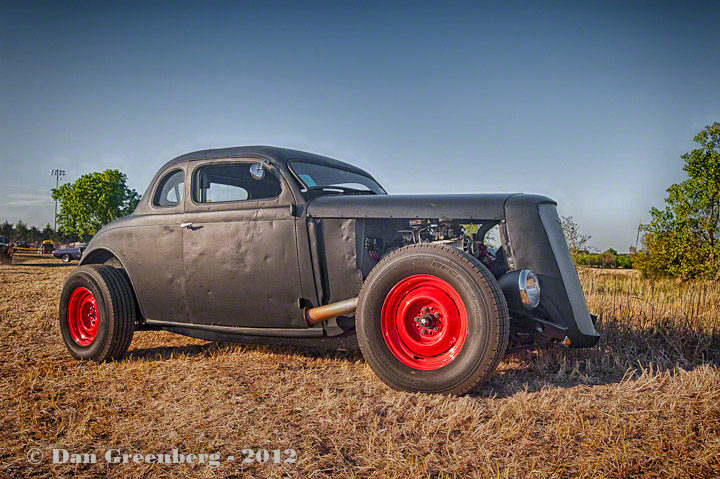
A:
x: 431, y: 318
x: 424, y: 322
x: 83, y: 317
x: 97, y: 313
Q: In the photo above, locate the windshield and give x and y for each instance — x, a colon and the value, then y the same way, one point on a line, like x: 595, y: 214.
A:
x: 316, y: 176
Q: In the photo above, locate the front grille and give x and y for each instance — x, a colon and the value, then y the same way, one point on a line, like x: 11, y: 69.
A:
x: 553, y: 228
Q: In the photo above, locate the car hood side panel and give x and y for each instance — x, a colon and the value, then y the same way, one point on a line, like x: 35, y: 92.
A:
x: 471, y: 207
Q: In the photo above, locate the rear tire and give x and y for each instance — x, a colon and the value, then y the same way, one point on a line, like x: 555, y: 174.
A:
x: 97, y: 313
x: 432, y: 319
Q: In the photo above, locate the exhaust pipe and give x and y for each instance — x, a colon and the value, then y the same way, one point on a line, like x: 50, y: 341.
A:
x: 329, y: 311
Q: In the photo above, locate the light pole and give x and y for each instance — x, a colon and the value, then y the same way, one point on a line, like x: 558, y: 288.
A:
x: 58, y: 174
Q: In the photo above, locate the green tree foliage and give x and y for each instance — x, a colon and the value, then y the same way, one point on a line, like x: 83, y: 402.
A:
x: 34, y: 234
x: 93, y: 201
x: 22, y: 232
x: 607, y: 259
x: 48, y: 233
x: 682, y: 239
x: 623, y: 261
x: 7, y: 230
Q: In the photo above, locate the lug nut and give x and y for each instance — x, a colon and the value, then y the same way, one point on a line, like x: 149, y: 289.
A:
x: 435, y: 328
x: 422, y: 331
x: 424, y: 310
x: 417, y: 319
x: 437, y: 315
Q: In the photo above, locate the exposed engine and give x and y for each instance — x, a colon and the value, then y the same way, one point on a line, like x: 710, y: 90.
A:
x: 458, y: 234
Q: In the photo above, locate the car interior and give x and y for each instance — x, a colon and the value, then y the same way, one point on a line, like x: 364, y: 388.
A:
x: 233, y: 182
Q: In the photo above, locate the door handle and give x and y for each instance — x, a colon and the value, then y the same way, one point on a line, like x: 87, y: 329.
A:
x: 185, y: 225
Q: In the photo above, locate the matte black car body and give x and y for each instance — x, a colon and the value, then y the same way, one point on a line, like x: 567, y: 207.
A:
x: 245, y: 271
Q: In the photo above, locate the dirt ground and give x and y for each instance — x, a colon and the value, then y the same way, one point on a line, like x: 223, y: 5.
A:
x: 645, y: 403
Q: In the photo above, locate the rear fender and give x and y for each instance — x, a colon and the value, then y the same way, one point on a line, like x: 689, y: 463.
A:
x: 104, y: 255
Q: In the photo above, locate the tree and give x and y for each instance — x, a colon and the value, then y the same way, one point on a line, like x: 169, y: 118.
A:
x: 48, y: 233
x: 94, y: 200
x: 576, y: 241
x: 608, y: 258
x: 623, y: 261
x: 35, y: 235
x: 7, y: 230
x: 683, y: 239
x: 22, y: 232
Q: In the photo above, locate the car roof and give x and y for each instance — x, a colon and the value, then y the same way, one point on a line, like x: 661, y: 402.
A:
x: 276, y: 155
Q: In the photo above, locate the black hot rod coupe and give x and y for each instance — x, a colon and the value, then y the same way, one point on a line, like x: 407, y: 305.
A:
x: 274, y: 246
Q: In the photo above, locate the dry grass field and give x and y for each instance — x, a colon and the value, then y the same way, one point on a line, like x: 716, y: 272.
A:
x: 645, y: 403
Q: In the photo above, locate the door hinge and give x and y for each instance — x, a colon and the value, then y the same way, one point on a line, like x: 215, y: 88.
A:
x: 296, y: 211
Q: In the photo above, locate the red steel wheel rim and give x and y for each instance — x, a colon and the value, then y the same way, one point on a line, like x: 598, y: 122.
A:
x: 424, y: 322
x: 83, y: 316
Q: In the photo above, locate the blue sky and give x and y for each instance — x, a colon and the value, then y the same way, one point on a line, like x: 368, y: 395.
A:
x: 589, y: 103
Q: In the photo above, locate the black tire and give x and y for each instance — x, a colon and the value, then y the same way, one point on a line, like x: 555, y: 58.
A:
x: 65, y: 258
x: 487, y: 319
x: 115, y: 312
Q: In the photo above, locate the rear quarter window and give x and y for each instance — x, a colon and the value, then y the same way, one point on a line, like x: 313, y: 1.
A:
x: 170, y: 190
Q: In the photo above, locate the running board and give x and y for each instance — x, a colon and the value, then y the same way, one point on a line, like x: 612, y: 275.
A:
x: 245, y: 331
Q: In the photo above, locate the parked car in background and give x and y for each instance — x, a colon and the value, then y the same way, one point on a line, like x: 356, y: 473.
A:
x: 70, y: 253
x: 47, y: 247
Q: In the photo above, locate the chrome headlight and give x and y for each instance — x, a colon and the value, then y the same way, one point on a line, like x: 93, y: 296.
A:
x: 529, y: 286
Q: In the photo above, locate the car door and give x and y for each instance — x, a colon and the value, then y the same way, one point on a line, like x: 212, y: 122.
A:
x: 240, y: 248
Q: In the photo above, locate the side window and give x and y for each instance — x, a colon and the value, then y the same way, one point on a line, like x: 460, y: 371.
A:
x: 223, y: 183
x: 170, y: 190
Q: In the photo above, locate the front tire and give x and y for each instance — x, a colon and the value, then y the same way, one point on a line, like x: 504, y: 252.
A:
x: 65, y: 258
x: 97, y: 313
x: 432, y: 319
